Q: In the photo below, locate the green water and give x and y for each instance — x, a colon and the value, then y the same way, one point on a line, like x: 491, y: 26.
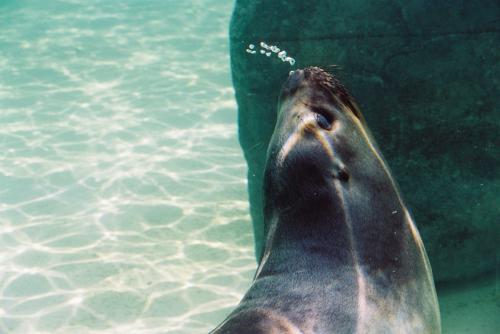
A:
x: 123, y: 201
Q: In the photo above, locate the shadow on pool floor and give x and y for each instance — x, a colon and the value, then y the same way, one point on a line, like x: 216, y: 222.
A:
x: 472, y: 307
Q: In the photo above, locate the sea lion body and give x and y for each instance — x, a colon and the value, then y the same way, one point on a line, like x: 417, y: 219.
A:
x: 342, y: 254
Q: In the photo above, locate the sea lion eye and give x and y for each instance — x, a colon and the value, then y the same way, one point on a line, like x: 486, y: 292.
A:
x: 322, y: 122
x: 323, y: 117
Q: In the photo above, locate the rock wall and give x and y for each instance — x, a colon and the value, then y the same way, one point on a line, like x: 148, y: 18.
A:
x: 426, y: 76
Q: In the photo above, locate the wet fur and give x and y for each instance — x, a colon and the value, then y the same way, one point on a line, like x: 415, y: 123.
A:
x: 342, y: 253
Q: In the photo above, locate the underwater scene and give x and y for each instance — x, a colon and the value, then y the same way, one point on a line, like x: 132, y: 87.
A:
x: 133, y: 140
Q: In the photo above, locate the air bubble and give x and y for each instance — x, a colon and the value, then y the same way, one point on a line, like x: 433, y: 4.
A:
x: 268, y: 50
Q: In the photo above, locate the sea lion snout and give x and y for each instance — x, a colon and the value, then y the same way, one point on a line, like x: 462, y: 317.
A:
x: 308, y: 75
x: 302, y: 77
x: 295, y: 78
x: 301, y: 99
x: 315, y: 84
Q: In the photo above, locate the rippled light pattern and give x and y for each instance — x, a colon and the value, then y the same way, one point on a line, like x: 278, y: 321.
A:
x: 123, y: 205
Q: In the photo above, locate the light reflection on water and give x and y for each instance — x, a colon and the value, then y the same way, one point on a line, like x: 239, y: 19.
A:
x: 123, y: 202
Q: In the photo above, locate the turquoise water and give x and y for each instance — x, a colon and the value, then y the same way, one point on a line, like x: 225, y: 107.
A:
x: 120, y: 168
x: 123, y: 203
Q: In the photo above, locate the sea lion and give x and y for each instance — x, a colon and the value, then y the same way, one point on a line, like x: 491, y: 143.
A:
x: 342, y: 253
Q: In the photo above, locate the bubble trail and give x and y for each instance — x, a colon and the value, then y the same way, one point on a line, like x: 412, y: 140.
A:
x: 268, y: 50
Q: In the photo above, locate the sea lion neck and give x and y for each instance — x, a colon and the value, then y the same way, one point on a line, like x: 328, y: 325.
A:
x: 315, y: 228
x: 311, y: 218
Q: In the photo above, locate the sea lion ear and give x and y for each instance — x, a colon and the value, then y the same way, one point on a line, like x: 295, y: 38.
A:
x: 341, y: 174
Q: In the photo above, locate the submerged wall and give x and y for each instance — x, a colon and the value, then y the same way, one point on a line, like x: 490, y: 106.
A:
x: 426, y: 76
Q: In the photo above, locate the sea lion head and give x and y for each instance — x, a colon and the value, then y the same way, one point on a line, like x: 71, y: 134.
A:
x: 320, y: 141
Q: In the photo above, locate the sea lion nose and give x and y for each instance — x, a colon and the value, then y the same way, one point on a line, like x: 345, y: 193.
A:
x: 294, y: 80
